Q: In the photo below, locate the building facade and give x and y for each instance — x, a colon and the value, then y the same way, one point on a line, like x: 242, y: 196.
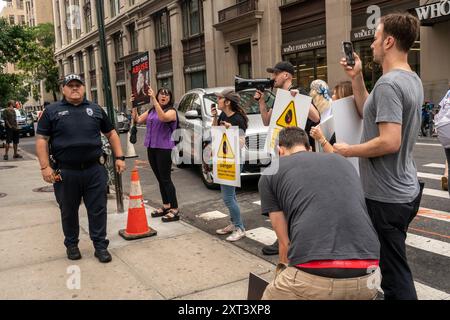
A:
x: 205, y: 43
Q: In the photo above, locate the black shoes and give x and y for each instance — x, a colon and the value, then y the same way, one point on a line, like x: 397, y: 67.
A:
x: 73, y: 253
x: 103, y: 255
x: 270, y: 250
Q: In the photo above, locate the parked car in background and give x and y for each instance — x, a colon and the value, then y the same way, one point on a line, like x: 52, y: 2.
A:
x: 194, y: 111
x: 24, y: 121
x: 34, y: 115
x: 123, y: 123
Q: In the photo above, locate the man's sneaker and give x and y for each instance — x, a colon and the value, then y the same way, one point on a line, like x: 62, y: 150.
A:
x: 73, y: 253
x: 270, y: 250
x: 103, y: 256
x: 237, y: 234
x: 5, y: 157
x: 227, y: 230
x: 17, y: 156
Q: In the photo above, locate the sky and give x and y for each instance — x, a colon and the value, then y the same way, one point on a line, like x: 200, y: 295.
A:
x: 2, y: 4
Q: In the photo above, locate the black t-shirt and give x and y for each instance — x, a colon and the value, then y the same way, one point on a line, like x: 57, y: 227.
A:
x: 74, y: 131
x: 235, y: 120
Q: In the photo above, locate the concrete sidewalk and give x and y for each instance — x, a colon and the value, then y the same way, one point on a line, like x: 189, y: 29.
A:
x: 181, y: 262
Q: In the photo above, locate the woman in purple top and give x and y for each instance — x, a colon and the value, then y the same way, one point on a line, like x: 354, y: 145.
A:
x: 161, y: 123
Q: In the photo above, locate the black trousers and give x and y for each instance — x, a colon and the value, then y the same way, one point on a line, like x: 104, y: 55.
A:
x: 391, y: 221
x: 161, y: 163
x: 447, y: 153
x: 90, y: 185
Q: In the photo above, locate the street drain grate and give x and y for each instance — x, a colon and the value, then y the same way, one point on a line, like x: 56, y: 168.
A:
x: 7, y: 167
x: 2, y: 195
x: 44, y: 189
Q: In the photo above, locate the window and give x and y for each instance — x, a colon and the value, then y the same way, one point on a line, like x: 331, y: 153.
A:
x: 115, y: 7
x: 245, y: 60
x: 185, y: 103
x: 19, y: 4
x: 71, y: 65
x: 309, y: 66
x: 162, y: 29
x: 81, y: 62
x: 122, y: 98
x: 133, y: 37
x: 192, y: 17
x: 9, y: 3
x: 68, y: 31
x: 76, y: 19
x: 118, y: 46
x: 94, y: 96
x: 196, y: 80
x: 131, y: 2
x: 11, y: 19
x: 91, y: 59
x: 88, y: 16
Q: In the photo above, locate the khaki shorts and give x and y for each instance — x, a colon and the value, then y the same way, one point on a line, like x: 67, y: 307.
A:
x: 294, y: 284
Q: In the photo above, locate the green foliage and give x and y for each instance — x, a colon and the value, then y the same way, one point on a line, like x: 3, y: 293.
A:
x: 12, y: 88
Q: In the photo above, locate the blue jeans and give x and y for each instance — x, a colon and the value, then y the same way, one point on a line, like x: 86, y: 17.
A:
x: 230, y: 200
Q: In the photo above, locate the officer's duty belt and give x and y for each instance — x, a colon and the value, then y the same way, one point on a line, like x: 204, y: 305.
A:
x: 77, y: 166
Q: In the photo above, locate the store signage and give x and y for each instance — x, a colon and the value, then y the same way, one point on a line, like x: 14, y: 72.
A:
x: 362, y: 34
x: 434, y: 12
x: 304, y: 45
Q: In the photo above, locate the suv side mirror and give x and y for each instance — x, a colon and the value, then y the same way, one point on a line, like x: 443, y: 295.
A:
x: 192, y: 115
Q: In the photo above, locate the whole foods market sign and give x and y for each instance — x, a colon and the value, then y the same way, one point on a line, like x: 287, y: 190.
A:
x: 434, y: 12
x: 304, y: 45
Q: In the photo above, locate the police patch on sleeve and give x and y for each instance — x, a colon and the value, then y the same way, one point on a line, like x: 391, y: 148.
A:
x: 90, y: 112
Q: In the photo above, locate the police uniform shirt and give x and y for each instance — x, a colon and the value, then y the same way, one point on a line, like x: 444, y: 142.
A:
x: 74, y: 131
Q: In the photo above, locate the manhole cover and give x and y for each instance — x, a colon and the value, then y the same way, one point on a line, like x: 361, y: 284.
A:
x: 7, y: 167
x: 2, y: 195
x: 44, y: 189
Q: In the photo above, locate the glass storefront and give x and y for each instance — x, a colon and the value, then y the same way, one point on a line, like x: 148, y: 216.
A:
x: 373, y: 71
x: 309, y: 66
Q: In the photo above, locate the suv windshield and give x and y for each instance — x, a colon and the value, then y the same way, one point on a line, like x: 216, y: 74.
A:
x: 247, y: 103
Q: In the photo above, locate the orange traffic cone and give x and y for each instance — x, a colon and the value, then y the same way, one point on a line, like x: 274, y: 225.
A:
x: 137, y: 226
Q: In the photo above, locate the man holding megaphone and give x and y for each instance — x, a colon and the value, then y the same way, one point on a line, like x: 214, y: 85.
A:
x: 282, y: 76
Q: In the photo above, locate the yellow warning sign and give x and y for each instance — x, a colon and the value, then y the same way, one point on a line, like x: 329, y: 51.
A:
x: 225, y: 150
x: 275, y: 134
x: 288, y: 117
x: 226, y: 170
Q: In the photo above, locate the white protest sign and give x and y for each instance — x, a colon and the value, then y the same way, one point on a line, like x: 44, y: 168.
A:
x: 288, y: 111
x: 348, y: 124
x: 226, y: 156
x: 327, y: 127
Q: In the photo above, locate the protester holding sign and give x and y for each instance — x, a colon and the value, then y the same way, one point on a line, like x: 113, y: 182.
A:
x: 342, y: 90
x: 161, y: 123
x: 442, y: 123
x: 391, y: 116
x: 232, y: 115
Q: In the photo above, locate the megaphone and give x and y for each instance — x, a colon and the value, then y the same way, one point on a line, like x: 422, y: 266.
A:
x: 241, y: 84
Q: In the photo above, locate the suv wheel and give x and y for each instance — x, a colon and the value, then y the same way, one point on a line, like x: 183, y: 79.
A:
x: 206, y: 172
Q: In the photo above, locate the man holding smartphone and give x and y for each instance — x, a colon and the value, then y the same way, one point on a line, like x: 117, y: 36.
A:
x: 391, y: 116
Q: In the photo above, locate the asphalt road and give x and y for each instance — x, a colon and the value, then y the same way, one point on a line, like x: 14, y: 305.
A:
x: 429, y: 234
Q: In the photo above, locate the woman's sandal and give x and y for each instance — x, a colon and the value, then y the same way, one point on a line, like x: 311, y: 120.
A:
x: 171, y: 216
x: 158, y: 214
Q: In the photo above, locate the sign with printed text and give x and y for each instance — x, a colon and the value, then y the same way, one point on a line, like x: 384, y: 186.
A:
x: 226, y: 156
x: 348, y: 124
x: 140, y: 79
x: 288, y: 111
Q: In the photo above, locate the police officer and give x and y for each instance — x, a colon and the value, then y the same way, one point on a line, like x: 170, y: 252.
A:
x: 71, y: 127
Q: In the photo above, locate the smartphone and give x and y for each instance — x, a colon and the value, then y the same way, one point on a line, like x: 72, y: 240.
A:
x: 213, y: 106
x: 347, y: 48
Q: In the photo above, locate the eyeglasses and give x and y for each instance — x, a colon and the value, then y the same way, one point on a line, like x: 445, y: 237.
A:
x: 165, y: 93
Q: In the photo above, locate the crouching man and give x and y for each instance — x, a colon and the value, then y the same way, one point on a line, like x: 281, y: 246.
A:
x: 329, y: 249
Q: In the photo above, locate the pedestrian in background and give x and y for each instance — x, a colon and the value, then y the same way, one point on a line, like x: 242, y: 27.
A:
x: 232, y: 115
x: 442, y: 123
x: 391, y: 115
x: 162, y: 121
x: 71, y: 129
x: 12, y: 130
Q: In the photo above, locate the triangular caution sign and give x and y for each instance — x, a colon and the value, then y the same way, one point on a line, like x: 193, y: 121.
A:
x: 225, y: 151
x: 288, y: 117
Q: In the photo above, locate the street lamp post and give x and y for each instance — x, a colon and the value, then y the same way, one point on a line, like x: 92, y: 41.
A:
x: 108, y: 95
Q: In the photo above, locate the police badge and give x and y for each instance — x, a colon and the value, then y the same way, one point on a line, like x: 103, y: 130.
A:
x: 90, y: 112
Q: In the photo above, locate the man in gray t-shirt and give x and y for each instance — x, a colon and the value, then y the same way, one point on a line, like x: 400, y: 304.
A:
x: 392, y: 114
x: 317, y: 208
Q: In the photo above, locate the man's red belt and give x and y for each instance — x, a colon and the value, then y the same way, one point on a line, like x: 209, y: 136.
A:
x: 340, y: 264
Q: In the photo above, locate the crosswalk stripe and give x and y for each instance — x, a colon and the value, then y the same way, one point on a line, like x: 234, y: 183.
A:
x: 257, y: 202
x: 429, y: 144
x: 427, y: 293
x: 434, y: 214
x: 427, y: 244
x: 435, y: 165
x: 213, y: 215
x: 436, y: 193
x: 429, y: 176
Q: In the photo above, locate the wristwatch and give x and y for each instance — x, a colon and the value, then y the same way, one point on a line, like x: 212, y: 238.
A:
x: 121, y: 158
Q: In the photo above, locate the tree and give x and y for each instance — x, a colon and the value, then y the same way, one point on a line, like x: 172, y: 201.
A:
x: 37, y: 58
